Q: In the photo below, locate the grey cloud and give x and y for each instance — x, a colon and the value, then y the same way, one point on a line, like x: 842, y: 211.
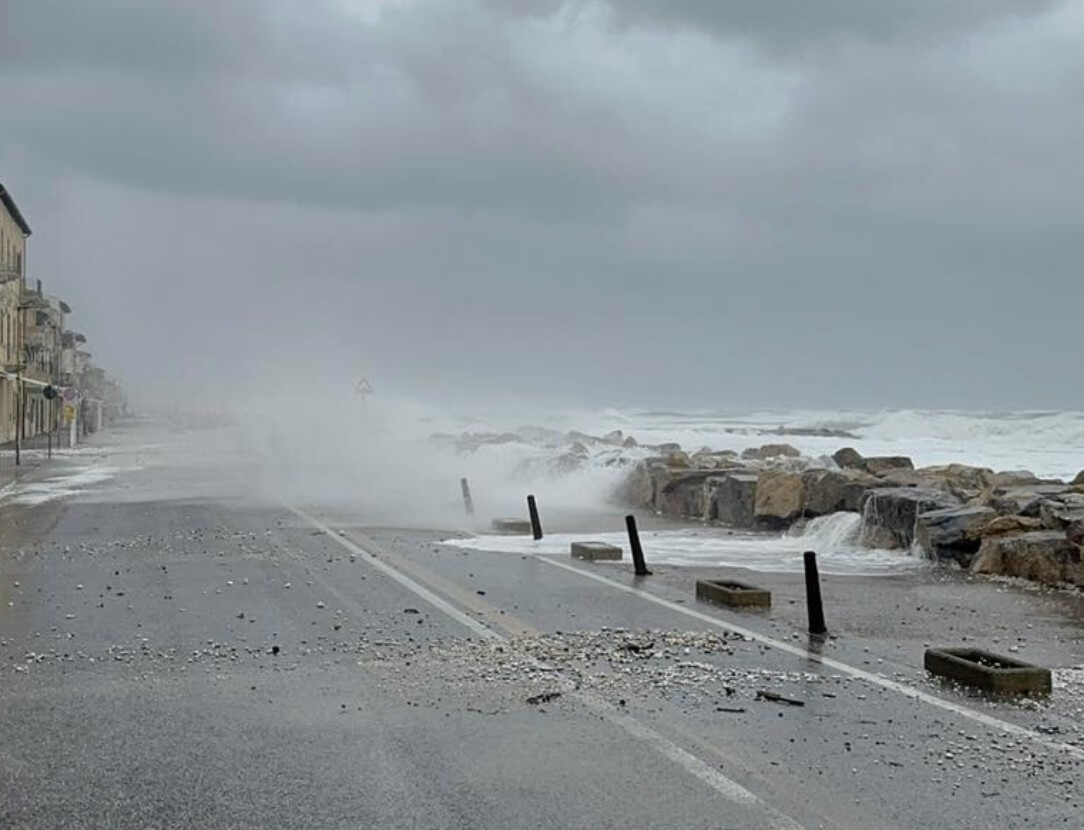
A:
x: 555, y: 199
x: 783, y: 23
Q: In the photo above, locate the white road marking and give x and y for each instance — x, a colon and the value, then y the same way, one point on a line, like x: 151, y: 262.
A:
x: 405, y: 581
x: 854, y: 671
x: 726, y: 787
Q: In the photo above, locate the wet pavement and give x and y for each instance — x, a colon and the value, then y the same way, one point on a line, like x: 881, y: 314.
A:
x: 176, y: 651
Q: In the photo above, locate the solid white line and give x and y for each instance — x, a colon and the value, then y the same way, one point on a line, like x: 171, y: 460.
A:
x: 405, y: 581
x: 726, y: 787
x: 854, y: 671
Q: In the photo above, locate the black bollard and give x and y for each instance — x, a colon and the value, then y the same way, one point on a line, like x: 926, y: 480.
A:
x: 813, y: 595
x: 634, y: 546
x: 536, y: 523
x: 468, y: 503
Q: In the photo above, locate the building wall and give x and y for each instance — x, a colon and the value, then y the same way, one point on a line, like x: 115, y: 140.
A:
x: 12, y: 259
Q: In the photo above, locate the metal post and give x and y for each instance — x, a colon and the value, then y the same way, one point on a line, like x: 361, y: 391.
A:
x: 52, y: 423
x: 634, y: 547
x: 468, y: 502
x: 18, y: 417
x: 536, y: 524
x: 813, y: 595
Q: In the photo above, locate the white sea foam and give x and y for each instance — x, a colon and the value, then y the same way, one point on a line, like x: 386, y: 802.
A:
x: 830, y: 536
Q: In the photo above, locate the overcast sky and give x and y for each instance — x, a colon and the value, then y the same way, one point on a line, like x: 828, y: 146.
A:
x: 676, y: 203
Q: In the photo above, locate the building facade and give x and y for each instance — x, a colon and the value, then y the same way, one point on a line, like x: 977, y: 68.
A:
x: 43, y: 339
x: 14, y: 232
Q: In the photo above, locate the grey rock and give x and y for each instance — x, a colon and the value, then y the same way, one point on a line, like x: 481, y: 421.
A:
x: 771, y: 451
x: 1045, y: 556
x: 1061, y: 512
x: 952, y: 533
x: 830, y: 491
x: 685, y: 494
x: 733, y: 496
x: 1075, y: 533
x: 779, y: 498
x: 890, y: 514
x: 885, y: 464
x: 1023, y: 501
x: 848, y: 458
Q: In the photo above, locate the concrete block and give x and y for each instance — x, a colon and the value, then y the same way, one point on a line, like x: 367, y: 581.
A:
x: 733, y: 593
x: 987, y: 671
x: 516, y: 526
x: 593, y: 551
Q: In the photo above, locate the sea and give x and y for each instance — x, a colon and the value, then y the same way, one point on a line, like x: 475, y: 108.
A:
x: 415, y: 454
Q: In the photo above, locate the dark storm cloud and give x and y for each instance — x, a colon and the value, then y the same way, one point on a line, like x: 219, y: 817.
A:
x: 705, y: 202
x: 786, y: 23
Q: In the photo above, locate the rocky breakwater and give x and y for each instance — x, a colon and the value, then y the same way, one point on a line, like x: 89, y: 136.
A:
x: 1009, y: 523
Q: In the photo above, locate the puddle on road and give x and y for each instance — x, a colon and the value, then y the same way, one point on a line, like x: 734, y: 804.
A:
x: 68, y: 483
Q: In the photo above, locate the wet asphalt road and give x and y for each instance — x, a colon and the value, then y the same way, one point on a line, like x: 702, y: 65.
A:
x: 175, y: 653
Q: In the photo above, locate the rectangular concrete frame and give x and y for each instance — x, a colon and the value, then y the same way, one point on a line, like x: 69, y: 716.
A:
x: 519, y: 526
x: 1010, y: 676
x: 733, y: 593
x: 593, y: 551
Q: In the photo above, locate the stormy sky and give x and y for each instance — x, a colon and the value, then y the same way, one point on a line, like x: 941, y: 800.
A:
x: 708, y: 203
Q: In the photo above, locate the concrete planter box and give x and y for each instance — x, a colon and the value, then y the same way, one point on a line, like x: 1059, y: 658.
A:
x: 517, y: 526
x: 593, y: 551
x: 733, y: 593
x: 987, y: 671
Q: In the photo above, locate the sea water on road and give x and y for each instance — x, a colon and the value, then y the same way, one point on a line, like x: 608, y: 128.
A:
x: 830, y: 536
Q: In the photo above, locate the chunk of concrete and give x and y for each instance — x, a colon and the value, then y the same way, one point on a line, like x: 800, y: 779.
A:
x: 517, y: 526
x: 987, y: 671
x: 733, y: 593
x: 595, y: 551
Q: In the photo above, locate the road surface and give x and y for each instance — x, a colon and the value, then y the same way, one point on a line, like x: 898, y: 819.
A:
x: 179, y: 648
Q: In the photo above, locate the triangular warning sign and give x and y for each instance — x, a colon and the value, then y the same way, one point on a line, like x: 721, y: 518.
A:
x: 364, y: 387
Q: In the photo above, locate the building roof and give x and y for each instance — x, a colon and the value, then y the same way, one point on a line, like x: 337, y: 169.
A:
x: 13, y: 209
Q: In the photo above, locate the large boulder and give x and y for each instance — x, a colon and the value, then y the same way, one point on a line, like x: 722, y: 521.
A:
x: 849, y: 458
x: 685, y: 494
x: 1001, y: 525
x: 1061, y: 512
x: 1075, y: 533
x: 677, y: 458
x: 767, y: 451
x: 1022, y: 501
x: 1079, y: 478
x: 779, y: 498
x: 733, y: 499
x: 890, y: 513
x: 1013, y: 478
x: 706, y: 459
x: 953, y: 532
x: 642, y: 484
x: 963, y: 481
x: 1043, y: 556
x: 887, y: 464
x: 829, y: 491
